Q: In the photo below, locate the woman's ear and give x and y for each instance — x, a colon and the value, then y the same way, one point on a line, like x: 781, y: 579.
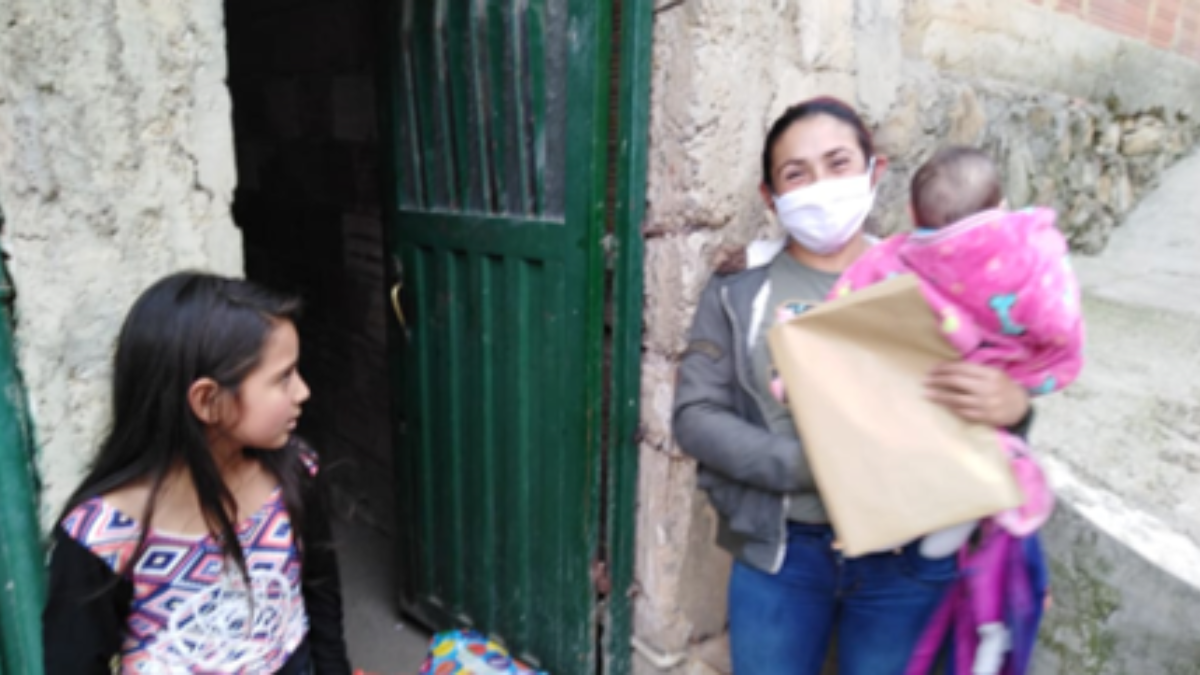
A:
x: 881, y: 165
x: 767, y: 195
x: 203, y: 397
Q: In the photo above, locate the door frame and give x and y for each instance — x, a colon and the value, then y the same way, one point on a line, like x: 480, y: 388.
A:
x: 628, y: 210
x: 22, y: 565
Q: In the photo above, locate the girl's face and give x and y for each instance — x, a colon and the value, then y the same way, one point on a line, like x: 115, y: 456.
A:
x: 269, y: 399
x: 814, y: 149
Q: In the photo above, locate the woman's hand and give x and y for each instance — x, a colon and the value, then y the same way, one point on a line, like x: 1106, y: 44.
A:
x: 978, y: 393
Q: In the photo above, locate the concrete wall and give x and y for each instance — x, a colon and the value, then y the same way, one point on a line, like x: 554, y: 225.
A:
x: 1059, y: 100
x: 116, y: 167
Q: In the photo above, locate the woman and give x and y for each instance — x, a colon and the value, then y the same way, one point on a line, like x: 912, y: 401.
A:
x: 791, y: 590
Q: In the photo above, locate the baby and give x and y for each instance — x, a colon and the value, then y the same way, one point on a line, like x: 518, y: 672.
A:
x: 999, y: 280
x: 1001, y: 285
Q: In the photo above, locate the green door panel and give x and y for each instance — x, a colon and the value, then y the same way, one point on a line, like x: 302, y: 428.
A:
x: 499, y: 127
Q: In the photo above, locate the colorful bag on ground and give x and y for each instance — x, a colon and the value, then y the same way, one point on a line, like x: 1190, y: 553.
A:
x: 466, y: 652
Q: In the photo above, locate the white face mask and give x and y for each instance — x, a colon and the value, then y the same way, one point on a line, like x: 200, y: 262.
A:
x: 824, y: 216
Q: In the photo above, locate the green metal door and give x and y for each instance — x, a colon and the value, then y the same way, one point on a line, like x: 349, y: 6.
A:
x: 500, y: 115
x: 22, y: 574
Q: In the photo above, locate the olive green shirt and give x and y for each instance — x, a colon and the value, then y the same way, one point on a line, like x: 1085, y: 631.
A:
x: 794, y: 289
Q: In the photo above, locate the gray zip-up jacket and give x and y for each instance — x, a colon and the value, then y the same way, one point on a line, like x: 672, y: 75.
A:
x: 747, y: 470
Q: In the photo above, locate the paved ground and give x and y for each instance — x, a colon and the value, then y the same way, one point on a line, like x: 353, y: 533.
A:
x: 1131, y: 424
x: 1153, y: 259
x: 380, y: 642
x: 1122, y: 447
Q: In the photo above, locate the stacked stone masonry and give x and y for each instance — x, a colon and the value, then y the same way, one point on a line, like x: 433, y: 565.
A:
x: 1089, y: 162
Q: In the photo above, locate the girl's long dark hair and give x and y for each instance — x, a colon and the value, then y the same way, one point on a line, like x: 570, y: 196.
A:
x: 186, y: 327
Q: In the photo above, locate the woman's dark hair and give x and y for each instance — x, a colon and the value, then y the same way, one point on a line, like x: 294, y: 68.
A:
x: 825, y: 105
x: 185, y: 327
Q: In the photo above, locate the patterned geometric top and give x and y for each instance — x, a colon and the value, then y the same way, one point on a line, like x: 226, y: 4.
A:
x: 191, y: 612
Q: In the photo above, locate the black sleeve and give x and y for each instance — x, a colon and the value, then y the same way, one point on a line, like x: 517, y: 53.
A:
x: 322, y: 589
x: 86, y: 609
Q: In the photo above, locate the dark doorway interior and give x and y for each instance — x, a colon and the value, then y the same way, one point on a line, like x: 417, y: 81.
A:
x: 302, y: 74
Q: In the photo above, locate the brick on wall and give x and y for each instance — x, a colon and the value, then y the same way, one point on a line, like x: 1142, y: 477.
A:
x: 1163, y: 20
x: 1069, y: 6
x: 1171, y: 25
x: 1127, y: 17
x: 1189, y: 30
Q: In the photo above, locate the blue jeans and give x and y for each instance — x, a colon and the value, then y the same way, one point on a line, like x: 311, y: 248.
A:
x: 878, y: 605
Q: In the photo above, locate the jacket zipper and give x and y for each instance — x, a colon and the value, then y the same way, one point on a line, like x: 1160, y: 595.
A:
x: 739, y: 368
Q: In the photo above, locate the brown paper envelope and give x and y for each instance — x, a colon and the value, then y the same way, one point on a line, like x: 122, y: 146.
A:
x: 891, y: 465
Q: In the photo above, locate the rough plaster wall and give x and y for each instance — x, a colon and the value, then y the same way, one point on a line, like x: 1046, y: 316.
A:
x: 116, y: 167
x: 724, y: 70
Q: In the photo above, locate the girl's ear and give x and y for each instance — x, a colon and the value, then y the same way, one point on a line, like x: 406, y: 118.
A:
x: 203, y: 398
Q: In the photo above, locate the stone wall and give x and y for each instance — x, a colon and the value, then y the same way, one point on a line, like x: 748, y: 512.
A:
x: 1088, y: 161
x: 721, y: 72
x: 1059, y: 102
x: 116, y: 167
x: 302, y: 77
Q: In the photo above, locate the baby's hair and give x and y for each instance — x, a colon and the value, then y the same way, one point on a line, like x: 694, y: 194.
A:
x: 955, y: 183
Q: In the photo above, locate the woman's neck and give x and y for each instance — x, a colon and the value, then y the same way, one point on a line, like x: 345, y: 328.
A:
x: 836, y: 262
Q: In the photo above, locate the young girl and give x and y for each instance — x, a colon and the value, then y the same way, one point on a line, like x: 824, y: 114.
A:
x: 197, y: 543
